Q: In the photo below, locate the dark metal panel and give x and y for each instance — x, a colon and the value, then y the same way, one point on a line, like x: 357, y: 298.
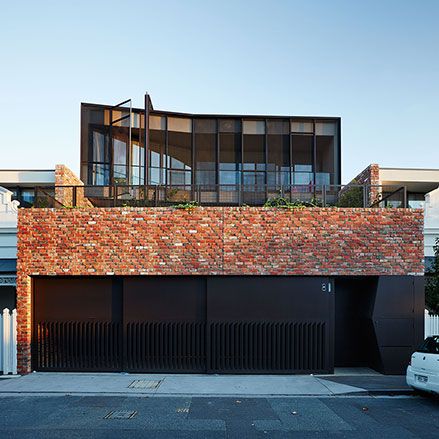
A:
x: 262, y: 298
x: 271, y: 324
x: 76, y: 324
x: 164, y: 299
x: 395, y: 297
x: 395, y: 332
x: 165, y: 322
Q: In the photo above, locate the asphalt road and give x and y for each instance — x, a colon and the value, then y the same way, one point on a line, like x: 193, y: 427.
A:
x: 164, y: 417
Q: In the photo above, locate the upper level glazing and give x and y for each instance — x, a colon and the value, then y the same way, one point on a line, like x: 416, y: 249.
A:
x: 175, y: 149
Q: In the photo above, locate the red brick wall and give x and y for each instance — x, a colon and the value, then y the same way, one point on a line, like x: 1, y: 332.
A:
x: 370, y: 176
x: 211, y: 241
x: 68, y: 196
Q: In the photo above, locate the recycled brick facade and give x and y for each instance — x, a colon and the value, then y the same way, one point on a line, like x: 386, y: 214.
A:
x: 211, y: 241
x: 370, y: 176
x: 69, y: 196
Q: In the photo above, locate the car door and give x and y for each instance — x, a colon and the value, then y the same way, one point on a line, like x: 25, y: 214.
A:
x: 426, y: 358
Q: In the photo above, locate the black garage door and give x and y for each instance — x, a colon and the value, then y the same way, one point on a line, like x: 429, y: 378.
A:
x: 224, y: 324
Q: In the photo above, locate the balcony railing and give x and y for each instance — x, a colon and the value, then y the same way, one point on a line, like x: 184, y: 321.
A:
x: 220, y: 195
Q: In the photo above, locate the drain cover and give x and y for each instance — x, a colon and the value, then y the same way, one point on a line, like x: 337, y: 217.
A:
x: 121, y: 414
x: 145, y: 384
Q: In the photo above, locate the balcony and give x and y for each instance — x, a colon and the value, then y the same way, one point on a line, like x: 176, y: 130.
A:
x: 290, y: 196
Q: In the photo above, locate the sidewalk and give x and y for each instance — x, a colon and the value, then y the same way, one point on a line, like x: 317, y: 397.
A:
x: 201, y: 385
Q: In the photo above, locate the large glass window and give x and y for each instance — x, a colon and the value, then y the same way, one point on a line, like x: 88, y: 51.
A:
x: 179, y: 160
x: 254, y: 153
x: 278, y: 153
x: 120, y: 161
x: 157, y: 150
x: 325, y: 152
x: 205, y: 151
x: 229, y: 152
x: 302, y: 168
x: 99, y: 169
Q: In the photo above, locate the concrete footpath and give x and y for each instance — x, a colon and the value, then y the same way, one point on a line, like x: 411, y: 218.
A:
x: 202, y: 385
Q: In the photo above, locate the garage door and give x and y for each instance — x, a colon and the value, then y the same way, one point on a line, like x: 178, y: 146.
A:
x: 184, y: 324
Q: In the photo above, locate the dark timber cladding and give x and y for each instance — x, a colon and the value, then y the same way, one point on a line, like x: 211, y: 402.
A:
x: 186, y: 324
x: 128, y: 146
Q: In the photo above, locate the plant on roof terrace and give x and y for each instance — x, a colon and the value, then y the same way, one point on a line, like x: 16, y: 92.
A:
x: 187, y: 205
x: 282, y: 203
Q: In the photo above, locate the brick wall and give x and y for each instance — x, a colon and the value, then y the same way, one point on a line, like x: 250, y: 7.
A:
x: 370, y: 176
x: 211, y: 241
x: 69, y: 196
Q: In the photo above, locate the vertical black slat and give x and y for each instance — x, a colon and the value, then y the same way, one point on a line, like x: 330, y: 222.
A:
x: 138, y: 340
x: 146, y: 357
x: 152, y: 344
x: 241, y: 345
x: 128, y: 345
x: 156, y: 346
x: 316, y: 342
x: 246, y: 346
x: 319, y: 350
x: 210, y: 345
x: 43, y: 345
x: 185, y: 345
x: 310, y: 347
x: 105, y: 343
x: 288, y: 346
x: 299, y: 347
x: 53, y: 351
x: 305, y: 346
x: 225, y: 362
x: 91, y: 344
x: 154, y: 335
x: 206, y: 338
x: 322, y: 344
x: 160, y: 347
x: 98, y: 344
x: 191, y: 364
x: 39, y: 345
x: 273, y: 365
x: 49, y: 344
x: 281, y: 345
x: 214, y: 353
x: 252, y: 342
x: 259, y: 346
x: 176, y: 351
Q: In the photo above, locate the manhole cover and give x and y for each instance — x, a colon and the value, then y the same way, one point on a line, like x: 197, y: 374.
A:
x: 145, y: 384
x: 121, y: 414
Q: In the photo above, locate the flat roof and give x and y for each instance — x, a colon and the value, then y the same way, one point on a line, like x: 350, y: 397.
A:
x: 29, y: 177
x: 213, y: 115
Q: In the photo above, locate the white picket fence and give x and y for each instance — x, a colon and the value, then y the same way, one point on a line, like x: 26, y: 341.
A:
x: 431, y: 324
x: 8, y: 341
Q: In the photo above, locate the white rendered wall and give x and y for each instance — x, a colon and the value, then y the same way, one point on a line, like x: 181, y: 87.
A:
x: 8, y: 225
x: 431, y: 221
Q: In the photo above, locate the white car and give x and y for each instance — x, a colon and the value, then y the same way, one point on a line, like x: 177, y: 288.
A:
x: 423, y: 370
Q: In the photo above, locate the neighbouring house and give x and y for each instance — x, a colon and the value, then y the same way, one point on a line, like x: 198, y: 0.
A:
x: 23, y: 188
x: 406, y: 187
x: 124, y: 273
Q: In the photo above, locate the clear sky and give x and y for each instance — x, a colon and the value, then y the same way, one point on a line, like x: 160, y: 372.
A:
x: 374, y: 63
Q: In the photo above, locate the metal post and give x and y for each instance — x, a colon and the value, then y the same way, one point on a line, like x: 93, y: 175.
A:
x: 365, y: 204
x: 114, y: 195
x: 324, y: 195
x: 404, y: 195
x: 74, y: 196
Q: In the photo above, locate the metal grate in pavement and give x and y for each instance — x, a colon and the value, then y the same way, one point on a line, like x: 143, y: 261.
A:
x: 121, y: 414
x: 145, y: 384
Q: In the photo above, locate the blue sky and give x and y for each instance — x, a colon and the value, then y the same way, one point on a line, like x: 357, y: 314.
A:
x: 373, y: 63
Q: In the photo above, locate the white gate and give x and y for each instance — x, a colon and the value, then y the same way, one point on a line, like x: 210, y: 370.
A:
x: 8, y: 342
x: 431, y: 324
